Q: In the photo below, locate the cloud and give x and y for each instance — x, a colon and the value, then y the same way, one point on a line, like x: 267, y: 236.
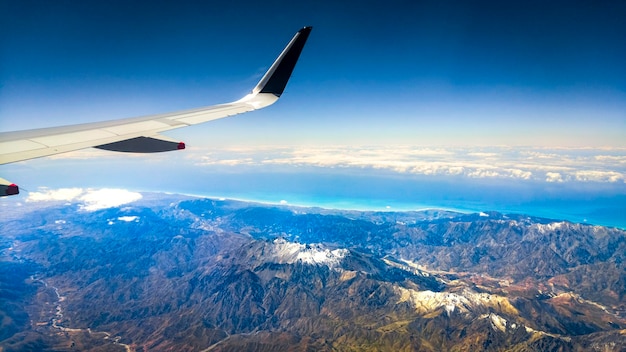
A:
x: 599, y: 176
x: 545, y: 165
x: 107, y: 198
x: 523, y: 174
x: 483, y: 154
x: 62, y: 194
x: 89, y: 199
x: 611, y: 158
x: 553, y: 177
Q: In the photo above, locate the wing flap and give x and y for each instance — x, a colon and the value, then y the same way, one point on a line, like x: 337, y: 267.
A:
x: 143, y: 145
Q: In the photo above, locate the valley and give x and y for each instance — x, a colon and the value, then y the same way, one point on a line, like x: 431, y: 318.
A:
x: 174, y: 273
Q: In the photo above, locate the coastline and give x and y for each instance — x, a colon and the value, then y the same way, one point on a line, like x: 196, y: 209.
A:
x: 394, y: 206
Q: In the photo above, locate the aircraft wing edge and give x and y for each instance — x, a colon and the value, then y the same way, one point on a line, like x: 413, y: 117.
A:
x: 30, y: 144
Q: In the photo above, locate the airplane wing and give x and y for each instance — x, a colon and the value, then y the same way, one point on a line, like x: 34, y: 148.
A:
x: 142, y: 134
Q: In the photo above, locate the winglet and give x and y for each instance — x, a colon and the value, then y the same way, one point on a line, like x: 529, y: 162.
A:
x: 275, y: 79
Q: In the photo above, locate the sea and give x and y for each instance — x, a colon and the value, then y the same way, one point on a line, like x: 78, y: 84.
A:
x: 591, y: 203
x: 597, y: 203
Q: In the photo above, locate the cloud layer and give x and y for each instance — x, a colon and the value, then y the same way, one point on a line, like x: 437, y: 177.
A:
x: 88, y: 199
x: 548, y: 165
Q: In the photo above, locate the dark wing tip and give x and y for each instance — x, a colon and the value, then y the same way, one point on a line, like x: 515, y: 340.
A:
x: 277, y: 82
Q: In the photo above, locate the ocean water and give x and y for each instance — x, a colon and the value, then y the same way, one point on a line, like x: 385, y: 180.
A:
x: 592, y: 203
x: 599, y: 203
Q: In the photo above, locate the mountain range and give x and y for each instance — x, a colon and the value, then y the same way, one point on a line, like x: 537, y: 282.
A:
x: 176, y: 273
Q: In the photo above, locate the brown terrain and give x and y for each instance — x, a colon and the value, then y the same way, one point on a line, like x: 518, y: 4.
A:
x: 170, y: 273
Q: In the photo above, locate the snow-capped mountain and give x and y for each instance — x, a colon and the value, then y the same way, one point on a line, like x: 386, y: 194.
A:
x: 164, y: 272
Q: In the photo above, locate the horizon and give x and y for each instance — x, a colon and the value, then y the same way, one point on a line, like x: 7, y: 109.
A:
x: 492, y: 101
x: 437, y: 174
x: 93, y: 199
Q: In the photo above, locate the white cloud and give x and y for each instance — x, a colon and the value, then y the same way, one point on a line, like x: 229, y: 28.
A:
x: 89, y: 199
x: 553, y: 177
x: 600, y: 176
x: 107, y: 198
x: 61, y: 194
x: 128, y: 218
x: 611, y: 158
x: 547, y: 165
x: 483, y: 154
x: 517, y: 173
x: 480, y: 173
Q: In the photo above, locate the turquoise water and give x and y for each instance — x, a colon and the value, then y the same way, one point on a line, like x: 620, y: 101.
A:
x: 584, y: 202
x: 575, y: 213
x: 598, y: 204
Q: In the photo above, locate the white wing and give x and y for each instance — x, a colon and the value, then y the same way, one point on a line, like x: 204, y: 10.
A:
x: 141, y: 134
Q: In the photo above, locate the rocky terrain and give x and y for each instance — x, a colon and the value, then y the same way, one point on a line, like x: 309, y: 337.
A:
x: 173, y: 273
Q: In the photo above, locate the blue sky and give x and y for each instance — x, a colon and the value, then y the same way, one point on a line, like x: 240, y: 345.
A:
x: 479, y: 72
x: 484, y: 76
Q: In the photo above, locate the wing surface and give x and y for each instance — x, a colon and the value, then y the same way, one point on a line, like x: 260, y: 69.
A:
x: 142, y: 134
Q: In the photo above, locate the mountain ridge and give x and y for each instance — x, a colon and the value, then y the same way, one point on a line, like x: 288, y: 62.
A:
x: 191, y: 274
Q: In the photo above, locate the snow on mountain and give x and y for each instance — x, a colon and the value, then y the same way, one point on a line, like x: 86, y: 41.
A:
x: 547, y: 228
x: 464, y: 302
x: 289, y: 252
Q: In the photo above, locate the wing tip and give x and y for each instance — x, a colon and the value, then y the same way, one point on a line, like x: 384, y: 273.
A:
x: 276, y: 78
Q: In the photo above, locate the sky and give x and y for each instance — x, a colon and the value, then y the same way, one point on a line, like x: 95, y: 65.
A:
x: 528, y: 95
